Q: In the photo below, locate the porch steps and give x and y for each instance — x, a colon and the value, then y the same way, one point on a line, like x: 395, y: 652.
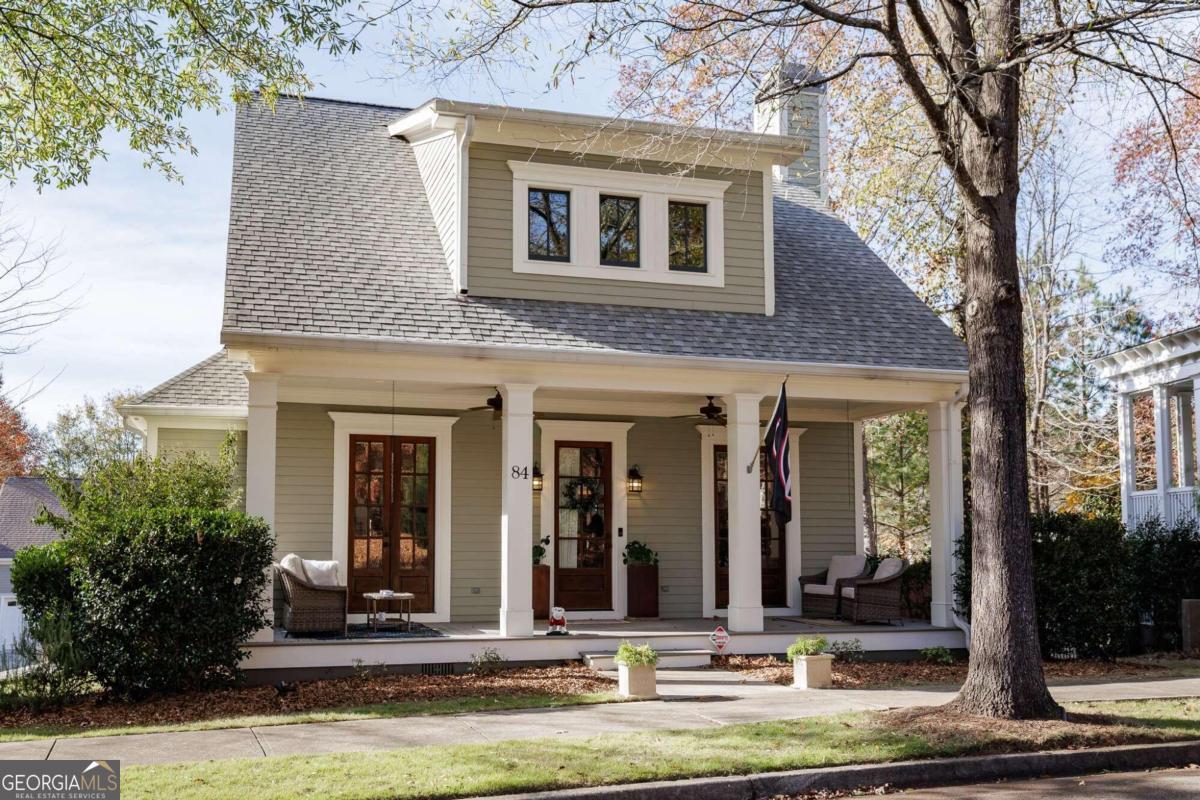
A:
x: 677, y: 659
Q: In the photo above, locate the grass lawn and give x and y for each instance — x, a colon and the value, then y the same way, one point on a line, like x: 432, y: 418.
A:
x: 540, y: 764
x: 374, y: 711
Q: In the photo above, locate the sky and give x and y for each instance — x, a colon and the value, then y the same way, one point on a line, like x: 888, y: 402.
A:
x: 143, y: 257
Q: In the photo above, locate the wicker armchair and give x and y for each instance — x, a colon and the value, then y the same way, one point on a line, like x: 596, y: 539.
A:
x: 309, y: 608
x: 877, y: 598
x: 819, y: 593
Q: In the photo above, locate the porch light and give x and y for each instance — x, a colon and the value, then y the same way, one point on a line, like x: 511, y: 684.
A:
x: 634, y: 483
x: 537, y: 478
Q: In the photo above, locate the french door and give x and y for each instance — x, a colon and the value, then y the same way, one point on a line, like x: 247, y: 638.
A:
x: 391, y: 518
x: 583, y: 526
x: 772, y: 538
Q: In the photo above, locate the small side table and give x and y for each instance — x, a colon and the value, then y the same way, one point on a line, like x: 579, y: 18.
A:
x: 373, y: 613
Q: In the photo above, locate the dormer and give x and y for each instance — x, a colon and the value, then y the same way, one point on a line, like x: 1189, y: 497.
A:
x: 552, y: 206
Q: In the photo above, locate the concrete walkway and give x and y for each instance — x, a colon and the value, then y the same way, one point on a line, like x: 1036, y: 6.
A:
x: 691, y: 699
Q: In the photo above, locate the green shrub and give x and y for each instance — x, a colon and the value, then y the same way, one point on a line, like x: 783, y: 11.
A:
x: 167, y: 596
x: 640, y: 656
x: 1163, y: 568
x: 937, y: 655
x: 807, y: 646
x: 1081, y: 594
x: 41, y: 579
x: 848, y: 650
x: 639, y: 554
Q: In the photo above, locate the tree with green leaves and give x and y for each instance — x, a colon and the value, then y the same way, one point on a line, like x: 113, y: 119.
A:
x: 87, y: 435
x: 73, y: 70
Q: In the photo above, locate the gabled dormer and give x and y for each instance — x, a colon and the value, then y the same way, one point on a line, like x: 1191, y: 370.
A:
x: 550, y: 206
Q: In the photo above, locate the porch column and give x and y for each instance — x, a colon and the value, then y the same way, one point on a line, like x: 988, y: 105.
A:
x: 945, y: 505
x: 745, y: 547
x: 1162, y: 448
x: 1127, y: 451
x: 260, y: 461
x: 1187, y: 439
x: 516, y: 511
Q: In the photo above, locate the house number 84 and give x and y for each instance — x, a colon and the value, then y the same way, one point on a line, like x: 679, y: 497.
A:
x: 521, y: 473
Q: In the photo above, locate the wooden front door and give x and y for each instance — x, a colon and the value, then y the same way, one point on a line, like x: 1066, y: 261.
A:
x: 583, y: 526
x: 772, y: 538
x: 391, y: 518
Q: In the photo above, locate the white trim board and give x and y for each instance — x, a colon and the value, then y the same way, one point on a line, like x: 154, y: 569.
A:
x: 439, y: 427
x: 710, y: 436
x: 615, y: 434
x: 654, y: 193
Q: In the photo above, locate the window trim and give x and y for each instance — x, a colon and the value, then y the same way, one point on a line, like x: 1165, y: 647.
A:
x: 529, y: 242
x: 654, y: 193
x: 637, y: 223
x: 703, y: 268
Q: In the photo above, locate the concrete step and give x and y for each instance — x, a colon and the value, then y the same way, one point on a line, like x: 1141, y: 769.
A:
x: 667, y: 659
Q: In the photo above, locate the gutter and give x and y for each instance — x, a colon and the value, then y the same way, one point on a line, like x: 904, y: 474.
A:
x: 237, y: 339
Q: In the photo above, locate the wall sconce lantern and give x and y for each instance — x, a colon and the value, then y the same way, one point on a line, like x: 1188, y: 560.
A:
x: 537, y: 478
x: 634, y: 482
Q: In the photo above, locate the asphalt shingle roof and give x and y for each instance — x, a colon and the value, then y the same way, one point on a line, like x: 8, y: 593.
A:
x: 21, y: 499
x: 218, y: 380
x: 331, y: 234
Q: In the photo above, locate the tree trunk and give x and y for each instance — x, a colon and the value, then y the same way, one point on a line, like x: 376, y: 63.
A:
x: 1005, y: 677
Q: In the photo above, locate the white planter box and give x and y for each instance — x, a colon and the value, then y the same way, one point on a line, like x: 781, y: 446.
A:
x: 636, y: 681
x: 812, y: 672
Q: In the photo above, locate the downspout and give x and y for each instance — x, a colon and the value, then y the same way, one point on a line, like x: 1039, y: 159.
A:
x: 959, y: 622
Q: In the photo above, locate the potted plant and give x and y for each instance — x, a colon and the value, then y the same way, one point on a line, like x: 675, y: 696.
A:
x: 541, y: 581
x: 635, y: 670
x: 812, y: 667
x: 641, y: 579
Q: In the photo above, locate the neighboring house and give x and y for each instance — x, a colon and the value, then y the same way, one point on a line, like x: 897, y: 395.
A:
x: 1166, y: 370
x: 429, y: 312
x: 21, y: 499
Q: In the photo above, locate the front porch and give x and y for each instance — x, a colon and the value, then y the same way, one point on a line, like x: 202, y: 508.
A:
x: 457, y: 642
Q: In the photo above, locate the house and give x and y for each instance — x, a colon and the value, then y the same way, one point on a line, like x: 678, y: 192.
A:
x: 1159, y: 378
x: 443, y: 324
x: 21, y: 499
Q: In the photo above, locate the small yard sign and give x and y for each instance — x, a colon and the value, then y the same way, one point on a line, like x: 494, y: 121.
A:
x: 719, y: 638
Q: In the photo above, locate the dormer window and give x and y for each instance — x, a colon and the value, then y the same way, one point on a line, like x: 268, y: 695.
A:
x: 618, y: 224
x: 549, y: 225
x: 619, y: 231
x: 688, y: 238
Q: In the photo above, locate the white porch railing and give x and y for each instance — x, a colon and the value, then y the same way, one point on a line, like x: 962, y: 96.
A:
x: 1142, y: 506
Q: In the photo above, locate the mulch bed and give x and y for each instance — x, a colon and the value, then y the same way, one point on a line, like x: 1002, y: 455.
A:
x: 875, y: 674
x: 357, y: 690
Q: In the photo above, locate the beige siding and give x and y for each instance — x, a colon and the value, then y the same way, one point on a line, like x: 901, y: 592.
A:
x: 826, y: 483
x: 490, y: 257
x: 208, y: 443
x: 437, y: 160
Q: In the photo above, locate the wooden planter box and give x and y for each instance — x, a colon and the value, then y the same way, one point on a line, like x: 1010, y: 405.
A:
x: 541, y: 591
x: 643, y: 590
x: 812, y: 672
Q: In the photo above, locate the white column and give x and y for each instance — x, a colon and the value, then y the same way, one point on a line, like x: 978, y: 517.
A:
x: 1128, y: 455
x: 1187, y: 439
x: 745, y: 535
x: 1162, y: 448
x: 260, y: 459
x: 516, y: 510
x: 945, y: 505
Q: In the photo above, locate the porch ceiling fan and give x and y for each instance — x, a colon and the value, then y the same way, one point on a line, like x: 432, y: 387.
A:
x: 495, y: 403
x: 709, y: 412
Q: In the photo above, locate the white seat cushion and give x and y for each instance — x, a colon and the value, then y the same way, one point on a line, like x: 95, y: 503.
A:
x: 848, y: 592
x: 845, y: 567
x: 322, y: 573
x: 818, y: 588
x: 888, y: 567
x: 293, y: 564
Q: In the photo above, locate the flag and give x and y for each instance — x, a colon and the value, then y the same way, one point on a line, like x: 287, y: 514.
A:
x: 779, y: 459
